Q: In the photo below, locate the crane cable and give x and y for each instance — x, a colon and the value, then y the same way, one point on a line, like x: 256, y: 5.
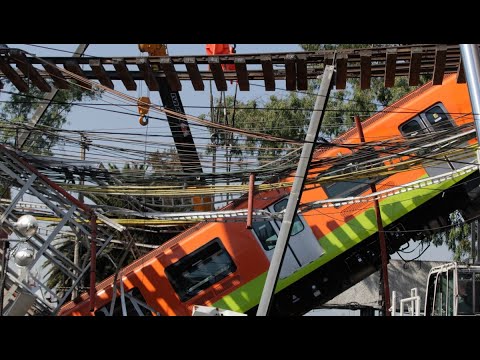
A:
x: 160, y: 109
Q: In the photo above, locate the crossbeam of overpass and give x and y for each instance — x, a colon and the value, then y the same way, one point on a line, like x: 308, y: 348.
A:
x: 295, y: 68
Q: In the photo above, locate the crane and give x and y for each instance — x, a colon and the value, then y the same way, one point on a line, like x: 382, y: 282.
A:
x: 182, y: 136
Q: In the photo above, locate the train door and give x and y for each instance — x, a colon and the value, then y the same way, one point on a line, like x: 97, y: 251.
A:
x: 303, y: 246
x: 433, y: 120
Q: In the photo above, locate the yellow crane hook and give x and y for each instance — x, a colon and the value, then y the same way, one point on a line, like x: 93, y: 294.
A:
x: 143, y: 108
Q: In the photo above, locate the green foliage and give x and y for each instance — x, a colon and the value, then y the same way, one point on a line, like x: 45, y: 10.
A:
x: 457, y: 238
x: 280, y: 116
x: 343, y: 105
x: 22, y: 106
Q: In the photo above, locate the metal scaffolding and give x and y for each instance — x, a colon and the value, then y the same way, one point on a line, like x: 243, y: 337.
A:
x: 19, y: 175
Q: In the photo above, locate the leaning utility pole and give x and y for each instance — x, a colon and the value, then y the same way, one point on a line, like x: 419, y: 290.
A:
x: 84, y: 146
x: 296, y: 193
x: 471, y: 60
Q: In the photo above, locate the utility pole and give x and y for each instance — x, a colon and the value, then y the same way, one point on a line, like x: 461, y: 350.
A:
x: 476, y: 259
x: 471, y: 63
x: 84, y: 146
x: 474, y: 232
x: 296, y: 192
x: 381, y: 236
x: 214, y: 139
x: 3, y: 272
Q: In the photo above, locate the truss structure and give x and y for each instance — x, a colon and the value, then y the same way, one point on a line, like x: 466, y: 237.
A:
x: 17, y: 174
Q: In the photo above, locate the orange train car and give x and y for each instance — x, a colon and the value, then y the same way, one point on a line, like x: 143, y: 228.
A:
x: 330, y: 249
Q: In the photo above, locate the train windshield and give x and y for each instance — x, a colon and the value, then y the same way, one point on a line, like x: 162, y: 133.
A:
x: 200, y: 269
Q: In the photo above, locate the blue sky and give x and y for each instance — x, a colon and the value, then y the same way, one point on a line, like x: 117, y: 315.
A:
x: 91, y: 119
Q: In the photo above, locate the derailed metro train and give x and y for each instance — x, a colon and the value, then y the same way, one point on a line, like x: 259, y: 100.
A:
x: 330, y: 249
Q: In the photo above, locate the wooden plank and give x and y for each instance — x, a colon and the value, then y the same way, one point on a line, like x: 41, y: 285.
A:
x: 72, y: 66
x: 290, y: 72
x: 365, y: 69
x: 13, y: 76
x: 268, y: 77
x: 415, y: 64
x: 194, y: 73
x: 217, y: 72
x: 100, y: 73
x: 29, y: 71
x: 147, y: 74
x: 302, y: 81
x: 461, y: 73
x: 166, y: 65
x: 341, y: 74
x: 242, y: 74
x: 390, y: 67
x: 122, y: 71
x: 57, y: 76
x: 439, y: 66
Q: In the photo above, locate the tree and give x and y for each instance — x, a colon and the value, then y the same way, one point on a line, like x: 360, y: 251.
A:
x: 457, y: 239
x: 281, y: 116
x: 288, y: 116
x: 21, y: 107
x: 343, y: 105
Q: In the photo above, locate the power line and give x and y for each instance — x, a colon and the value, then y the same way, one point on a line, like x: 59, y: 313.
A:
x: 56, y: 49
x: 208, y: 107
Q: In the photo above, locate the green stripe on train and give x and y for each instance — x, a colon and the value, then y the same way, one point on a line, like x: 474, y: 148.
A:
x: 338, y: 241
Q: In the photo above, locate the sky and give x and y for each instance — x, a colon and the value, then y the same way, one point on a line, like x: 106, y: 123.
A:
x: 91, y: 119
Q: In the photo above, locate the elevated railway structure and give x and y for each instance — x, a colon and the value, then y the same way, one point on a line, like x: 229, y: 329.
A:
x: 294, y: 67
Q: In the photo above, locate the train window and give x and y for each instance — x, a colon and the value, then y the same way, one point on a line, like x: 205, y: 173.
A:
x: 438, y: 118
x: 413, y: 127
x: 265, y: 234
x: 434, y: 119
x: 339, y: 189
x: 297, y: 225
x: 134, y: 305
x: 346, y: 188
x: 200, y: 269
